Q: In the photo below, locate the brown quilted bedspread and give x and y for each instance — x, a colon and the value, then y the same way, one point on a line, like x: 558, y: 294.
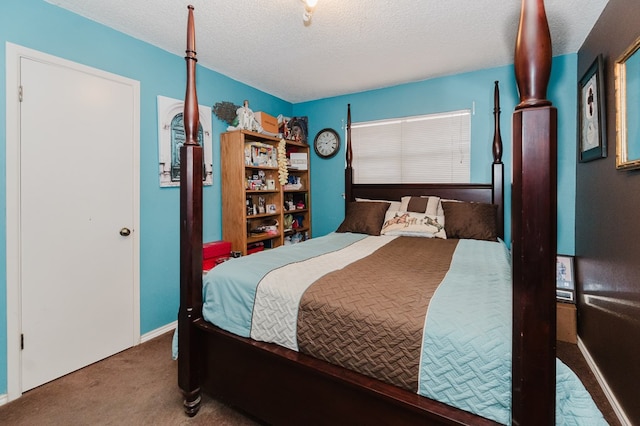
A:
x: 369, y: 316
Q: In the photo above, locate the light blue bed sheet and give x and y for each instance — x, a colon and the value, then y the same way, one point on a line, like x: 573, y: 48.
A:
x: 229, y: 302
x: 466, y: 358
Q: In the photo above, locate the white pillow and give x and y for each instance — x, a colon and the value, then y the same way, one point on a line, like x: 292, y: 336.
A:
x: 412, y: 224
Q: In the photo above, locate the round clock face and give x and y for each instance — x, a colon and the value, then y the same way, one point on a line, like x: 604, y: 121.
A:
x: 327, y: 143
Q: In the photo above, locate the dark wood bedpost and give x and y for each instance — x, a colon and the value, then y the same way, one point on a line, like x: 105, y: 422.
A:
x: 190, y: 236
x: 348, y: 171
x: 534, y: 224
x: 497, y: 171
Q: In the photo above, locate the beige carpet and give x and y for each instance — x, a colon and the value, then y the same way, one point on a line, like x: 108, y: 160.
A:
x: 139, y: 387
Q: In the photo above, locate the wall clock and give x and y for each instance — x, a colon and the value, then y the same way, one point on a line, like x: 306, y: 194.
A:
x: 327, y: 143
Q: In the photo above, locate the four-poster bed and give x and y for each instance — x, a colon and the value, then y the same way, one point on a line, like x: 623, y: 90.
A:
x: 283, y: 386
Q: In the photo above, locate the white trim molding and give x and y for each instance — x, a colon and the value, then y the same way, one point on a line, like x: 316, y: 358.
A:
x: 158, y: 332
x: 615, y: 405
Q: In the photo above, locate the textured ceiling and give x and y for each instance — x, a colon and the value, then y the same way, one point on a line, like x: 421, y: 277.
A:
x: 350, y: 45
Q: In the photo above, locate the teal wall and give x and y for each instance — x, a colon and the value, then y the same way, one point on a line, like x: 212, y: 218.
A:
x: 46, y: 28
x: 447, y: 94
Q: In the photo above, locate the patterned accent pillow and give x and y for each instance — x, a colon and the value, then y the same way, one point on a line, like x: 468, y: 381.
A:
x: 364, y: 217
x: 428, y: 204
x: 412, y: 224
x: 476, y: 221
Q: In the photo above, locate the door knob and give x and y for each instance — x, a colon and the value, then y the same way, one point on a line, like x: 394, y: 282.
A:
x: 125, y: 232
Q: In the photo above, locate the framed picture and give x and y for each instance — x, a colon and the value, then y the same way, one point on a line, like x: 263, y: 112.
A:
x: 565, y: 284
x: 592, y: 134
x: 171, y: 137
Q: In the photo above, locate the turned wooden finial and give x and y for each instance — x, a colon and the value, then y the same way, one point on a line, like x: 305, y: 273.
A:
x: 349, y: 149
x: 191, y: 115
x: 497, y: 137
x: 533, y: 55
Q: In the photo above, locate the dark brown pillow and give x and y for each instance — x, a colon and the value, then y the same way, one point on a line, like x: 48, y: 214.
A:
x: 364, y: 217
x: 418, y: 204
x: 476, y: 221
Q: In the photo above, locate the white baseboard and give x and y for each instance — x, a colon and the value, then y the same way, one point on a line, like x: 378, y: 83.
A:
x: 158, y: 332
x: 617, y: 409
x: 4, y: 398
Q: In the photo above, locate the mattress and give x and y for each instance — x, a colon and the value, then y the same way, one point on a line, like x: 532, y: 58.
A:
x: 429, y: 315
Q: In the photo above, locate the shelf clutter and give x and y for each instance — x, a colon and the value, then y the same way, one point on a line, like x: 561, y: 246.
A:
x: 266, y: 198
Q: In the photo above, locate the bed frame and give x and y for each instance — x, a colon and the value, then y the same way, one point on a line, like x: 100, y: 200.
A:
x: 280, y: 386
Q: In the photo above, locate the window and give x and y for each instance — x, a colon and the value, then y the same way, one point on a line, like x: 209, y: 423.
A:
x: 427, y: 148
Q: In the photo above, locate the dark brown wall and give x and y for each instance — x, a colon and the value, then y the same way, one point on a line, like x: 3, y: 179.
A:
x: 608, y: 229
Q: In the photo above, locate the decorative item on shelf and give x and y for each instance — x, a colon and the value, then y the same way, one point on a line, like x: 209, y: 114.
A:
x: 283, y: 172
x: 288, y: 222
x: 247, y: 154
x: 246, y: 119
x: 298, y: 129
x: 293, y: 183
x: 271, y: 184
x: 288, y: 205
x: 250, y: 207
x: 260, y: 155
x: 283, y: 126
x: 298, y: 160
x: 298, y: 221
x: 256, y: 181
x: 266, y: 226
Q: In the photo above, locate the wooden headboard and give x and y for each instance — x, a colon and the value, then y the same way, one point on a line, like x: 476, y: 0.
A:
x: 479, y: 192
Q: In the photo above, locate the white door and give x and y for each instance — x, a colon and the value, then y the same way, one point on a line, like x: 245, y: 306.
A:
x: 76, y: 202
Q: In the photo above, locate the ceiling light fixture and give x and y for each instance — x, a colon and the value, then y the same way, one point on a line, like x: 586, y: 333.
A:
x: 309, y: 7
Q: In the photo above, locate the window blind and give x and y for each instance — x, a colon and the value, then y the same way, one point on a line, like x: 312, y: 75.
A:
x: 428, y: 148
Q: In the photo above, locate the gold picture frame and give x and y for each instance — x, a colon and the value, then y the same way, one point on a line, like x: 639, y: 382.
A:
x: 627, y: 85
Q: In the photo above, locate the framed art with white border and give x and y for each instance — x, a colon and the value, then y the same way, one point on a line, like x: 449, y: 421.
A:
x: 171, y: 138
x: 592, y: 134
